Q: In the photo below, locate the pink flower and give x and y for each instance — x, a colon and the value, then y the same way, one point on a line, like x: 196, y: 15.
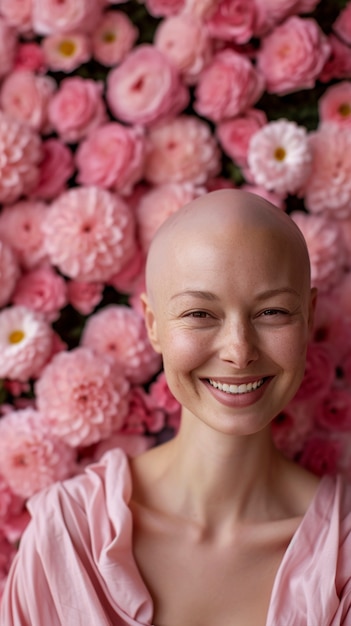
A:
x: 77, y: 108
x: 164, y: 8
x: 338, y: 64
x: 66, y: 52
x: 141, y: 417
x: 41, y: 290
x: 112, y: 156
x: 31, y: 457
x: 118, y: 333
x: 25, y: 343
x: 335, y: 411
x: 269, y: 13
x: 7, y: 554
x: 11, y: 505
x: 341, y: 294
x: 9, y: 272
x: 272, y: 197
x: 20, y: 154
x: 319, y: 375
x: 82, y: 399
x: 335, y: 104
x: 21, y: 228
x: 29, y: 56
x: 160, y: 397
x: 227, y: 87
x: 342, y: 24
x: 182, y: 150
x: 232, y: 20
x: 185, y: 41
x: 146, y: 87
x: 321, y: 454
x: 332, y: 327
x: 89, y: 233
x: 127, y: 278
x: 84, y: 296
x: 279, y: 157
x: 292, y: 426
x: 18, y: 14
x: 113, y: 38
x: 8, y: 42
x: 25, y: 96
x: 234, y: 134
x: 325, y: 246
x: 50, y: 16
x: 56, y: 168
x: 292, y: 56
x: 328, y: 189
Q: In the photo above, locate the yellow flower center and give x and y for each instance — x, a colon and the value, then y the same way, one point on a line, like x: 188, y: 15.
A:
x: 279, y: 154
x: 109, y: 36
x: 345, y: 109
x: 67, y: 47
x: 16, y: 336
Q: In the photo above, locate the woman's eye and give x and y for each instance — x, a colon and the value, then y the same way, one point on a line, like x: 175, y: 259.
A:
x: 200, y: 314
x: 271, y: 312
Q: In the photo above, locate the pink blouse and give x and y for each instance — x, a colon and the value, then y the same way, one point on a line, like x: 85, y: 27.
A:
x: 75, y: 566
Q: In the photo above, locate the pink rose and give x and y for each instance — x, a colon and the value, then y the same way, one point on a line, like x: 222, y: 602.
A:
x: 112, y: 157
x: 18, y: 13
x: 112, y: 39
x: 335, y: 104
x: 25, y: 97
x: 84, y: 296
x: 56, y: 167
x: 66, y: 52
x: 234, y: 134
x: 232, y: 20
x: 77, y: 108
x: 269, y: 13
x: 42, y: 290
x: 342, y: 24
x: 292, y: 56
x: 338, y: 64
x: 29, y: 56
x: 146, y: 87
x: 227, y: 86
x: 21, y: 228
x: 164, y: 8
x: 8, y: 42
x: 9, y: 272
x: 50, y: 16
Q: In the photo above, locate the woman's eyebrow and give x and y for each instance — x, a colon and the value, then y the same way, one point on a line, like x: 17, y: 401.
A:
x: 195, y: 293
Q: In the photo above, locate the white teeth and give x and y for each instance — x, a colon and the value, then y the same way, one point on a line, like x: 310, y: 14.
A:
x: 236, y: 389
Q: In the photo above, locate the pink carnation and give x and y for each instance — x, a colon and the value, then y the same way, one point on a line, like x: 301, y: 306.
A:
x: 89, y: 233
x: 25, y: 343
x: 146, y: 87
x: 25, y: 96
x: 84, y: 296
x: 113, y: 38
x: 50, y: 16
x: 234, y: 134
x: 20, y: 155
x: 77, y: 108
x: 325, y: 247
x: 342, y: 24
x: 82, y: 398
x: 233, y: 20
x: 21, y: 228
x: 9, y: 272
x: 56, y: 168
x: 18, y: 14
x: 335, y: 104
x: 8, y: 42
x: 292, y: 56
x: 228, y: 86
x: 66, y: 52
x: 42, y: 290
x: 182, y: 150
x: 112, y: 157
x: 338, y: 64
x: 118, y: 333
x: 279, y: 157
x: 31, y: 457
x: 164, y: 8
x: 328, y: 189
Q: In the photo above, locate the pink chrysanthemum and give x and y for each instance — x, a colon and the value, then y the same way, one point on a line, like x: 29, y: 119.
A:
x: 119, y: 333
x: 81, y: 396
x: 328, y: 189
x: 9, y: 272
x: 89, y: 233
x: 279, y: 157
x: 25, y: 343
x: 20, y: 155
x: 21, y: 228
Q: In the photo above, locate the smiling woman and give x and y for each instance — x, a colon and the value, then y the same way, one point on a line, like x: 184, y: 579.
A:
x: 243, y: 535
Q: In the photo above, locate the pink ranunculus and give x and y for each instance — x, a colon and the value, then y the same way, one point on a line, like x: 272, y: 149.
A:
x: 30, y: 57
x: 77, y: 108
x: 25, y: 97
x: 112, y: 157
x: 321, y: 454
x: 279, y: 157
x: 25, y: 343
x: 20, y: 155
x: 18, y: 14
x: 342, y: 24
x: 164, y: 8
x: 185, y: 41
x: 21, y: 228
x: 182, y: 150
x: 9, y: 272
x: 8, y: 44
x: 84, y: 296
x: 335, y: 104
x: 335, y: 412
x: 141, y: 417
x: 50, y: 16
x: 292, y: 56
x: 292, y: 426
x: 118, y: 333
x: 328, y: 188
x: 145, y: 87
x: 325, y: 247
x: 160, y: 397
x: 66, y: 52
x: 89, y: 233
x: 42, y: 290
x: 338, y: 64
x: 31, y: 457
x: 232, y: 20
x: 82, y: 398
x: 157, y: 204
x: 133, y: 445
x: 228, y: 86
x: 319, y: 374
x: 56, y: 168
x: 234, y: 134
x: 113, y: 37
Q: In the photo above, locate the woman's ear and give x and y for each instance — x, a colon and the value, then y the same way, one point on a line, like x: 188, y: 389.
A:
x: 150, y: 322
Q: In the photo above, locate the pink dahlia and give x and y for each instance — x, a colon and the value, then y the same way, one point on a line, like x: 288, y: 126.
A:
x: 9, y: 272
x: 89, y: 233
x: 21, y: 228
x: 82, y: 397
x: 31, y: 457
x: 20, y: 155
x: 328, y: 188
x: 25, y: 343
x: 279, y: 157
x: 119, y: 333
x: 42, y: 290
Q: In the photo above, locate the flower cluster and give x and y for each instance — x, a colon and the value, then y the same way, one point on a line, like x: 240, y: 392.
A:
x: 112, y: 116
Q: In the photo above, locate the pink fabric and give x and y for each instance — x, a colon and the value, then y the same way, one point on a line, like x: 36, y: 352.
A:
x: 76, y: 566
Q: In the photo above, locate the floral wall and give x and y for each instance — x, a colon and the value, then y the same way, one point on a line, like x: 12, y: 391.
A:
x: 112, y: 116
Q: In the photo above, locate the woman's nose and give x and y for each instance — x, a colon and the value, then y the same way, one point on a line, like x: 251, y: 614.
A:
x: 239, y: 344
